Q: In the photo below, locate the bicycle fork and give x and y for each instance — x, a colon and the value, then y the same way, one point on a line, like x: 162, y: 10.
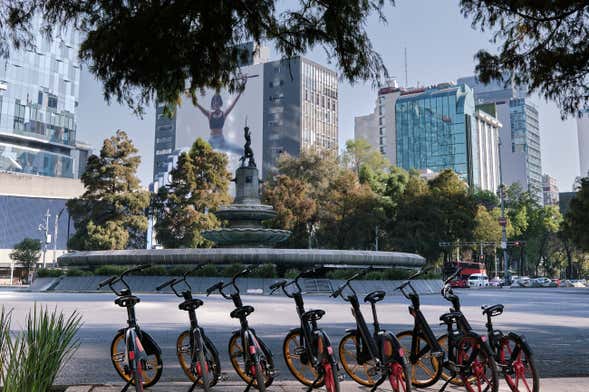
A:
x: 135, y: 356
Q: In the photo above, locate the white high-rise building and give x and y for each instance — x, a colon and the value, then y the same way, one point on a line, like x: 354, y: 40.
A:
x: 583, y: 134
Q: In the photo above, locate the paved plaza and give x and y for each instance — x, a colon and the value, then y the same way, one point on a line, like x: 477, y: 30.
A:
x: 556, y: 322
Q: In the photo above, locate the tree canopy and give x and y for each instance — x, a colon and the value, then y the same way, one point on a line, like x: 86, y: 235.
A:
x: 111, y: 212
x: 142, y: 48
x: 543, y: 44
x: 186, y: 206
x: 578, y: 216
x: 27, y: 253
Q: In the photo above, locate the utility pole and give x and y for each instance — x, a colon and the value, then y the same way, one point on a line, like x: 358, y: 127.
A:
x: 55, y: 226
x: 44, y: 228
x: 503, y: 221
x: 376, y: 238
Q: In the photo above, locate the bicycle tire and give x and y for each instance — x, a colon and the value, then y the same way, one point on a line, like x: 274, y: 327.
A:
x: 117, y: 359
x: 443, y: 342
x: 292, y: 339
x: 482, y: 366
x: 508, y: 369
x: 183, y: 353
x: 428, y: 364
x: 235, y: 357
x: 349, y: 360
x: 138, y: 379
x: 204, y: 369
x: 260, y: 383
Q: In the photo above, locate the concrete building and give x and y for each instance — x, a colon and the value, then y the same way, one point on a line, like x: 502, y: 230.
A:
x: 550, y: 190
x: 583, y: 135
x: 378, y: 128
x: 39, y: 91
x: 521, y: 159
x: 288, y: 105
x: 34, y: 206
x: 439, y: 128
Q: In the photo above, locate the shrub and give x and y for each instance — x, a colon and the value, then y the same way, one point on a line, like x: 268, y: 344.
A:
x: 77, y: 272
x: 49, y: 273
x: 291, y: 273
x: 209, y: 270
x: 265, y: 271
x: 231, y: 269
x: 110, y: 270
x: 34, y: 356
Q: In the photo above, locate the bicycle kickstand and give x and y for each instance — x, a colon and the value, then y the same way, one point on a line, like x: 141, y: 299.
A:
x: 194, y: 384
x: 127, y: 385
x: 448, y: 381
x: 314, y: 385
x: 381, y: 380
x: 249, y: 385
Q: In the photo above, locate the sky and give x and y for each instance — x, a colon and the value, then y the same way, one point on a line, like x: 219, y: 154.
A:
x: 440, y: 46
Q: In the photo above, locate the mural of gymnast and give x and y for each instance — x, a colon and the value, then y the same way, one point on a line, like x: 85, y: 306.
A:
x: 217, y: 119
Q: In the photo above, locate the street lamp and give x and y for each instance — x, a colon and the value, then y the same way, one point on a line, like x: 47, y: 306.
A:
x: 55, y: 235
x: 503, y: 221
x: 44, y: 228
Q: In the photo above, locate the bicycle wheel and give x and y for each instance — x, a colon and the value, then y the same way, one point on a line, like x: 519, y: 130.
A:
x: 183, y: 352
x: 297, y: 361
x: 236, y: 358
x: 138, y: 379
x: 427, y: 369
x: 517, y: 365
x: 443, y: 342
x: 397, y: 367
x: 478, y: 369
x: 260, y: 383
x: 203, y: 370
x: 152, y: 371
x: 363, y: 372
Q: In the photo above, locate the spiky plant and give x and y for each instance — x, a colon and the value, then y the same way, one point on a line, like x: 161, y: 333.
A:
x: 35, y: 355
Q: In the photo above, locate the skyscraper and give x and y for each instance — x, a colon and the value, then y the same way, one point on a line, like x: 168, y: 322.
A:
x: 439, y: 128
x: 521, y: 158
x: 38, y: 98
x: 550, y: 190
x: 378, y: 128
x: 583, y: 135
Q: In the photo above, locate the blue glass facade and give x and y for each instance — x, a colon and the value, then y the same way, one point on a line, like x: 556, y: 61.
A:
x: 39, y: 91
x: 436, y: 129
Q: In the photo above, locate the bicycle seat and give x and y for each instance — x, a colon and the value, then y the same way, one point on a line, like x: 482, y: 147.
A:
x: 190, y: 304
x: 242, y: 311
x: 493, y: 310
x: 127, y: 301
x: 313, y: 314
x: 375, y: 296
x: 449, y: 318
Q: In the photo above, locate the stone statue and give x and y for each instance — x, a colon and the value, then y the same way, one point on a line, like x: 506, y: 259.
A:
x: 248, y: 153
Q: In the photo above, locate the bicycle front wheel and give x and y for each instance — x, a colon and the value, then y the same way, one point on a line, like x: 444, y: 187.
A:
x: 236, y: 358
x: 184, y: 354
x: 150, y: 372
x: 361, y: 370
x: 517, y: 365
x: 478, y: 368
x: 427, y: 369
x: 296, y: 360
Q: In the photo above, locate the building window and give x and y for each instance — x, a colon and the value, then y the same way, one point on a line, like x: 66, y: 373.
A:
x: 52, y: 101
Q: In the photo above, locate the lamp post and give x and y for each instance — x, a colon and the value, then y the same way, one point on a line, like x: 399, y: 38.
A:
x: 44, y: 228
x: 55, y: 226
x: 503, y: 221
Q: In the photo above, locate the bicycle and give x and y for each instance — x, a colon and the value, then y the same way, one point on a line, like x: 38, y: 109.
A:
x: 249, y: 356
x: 466, y: 355
x: 196, y: 353
x: 308, y: 345
x: 379, y: 353
x: 134, y: 354
x: 513, y: 355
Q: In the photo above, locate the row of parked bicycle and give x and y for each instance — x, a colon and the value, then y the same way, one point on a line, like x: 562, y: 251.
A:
x: 409, y: 359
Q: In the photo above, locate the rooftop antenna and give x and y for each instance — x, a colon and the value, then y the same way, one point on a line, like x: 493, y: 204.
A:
x: 406, y: 81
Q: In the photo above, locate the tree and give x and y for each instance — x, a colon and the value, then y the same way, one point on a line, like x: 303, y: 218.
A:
x: 186, y: 206
x: 26, y: 253
x: 295, y: 207
x: 544, y: 45
x: 360, y: 154
x: 124, y: 42
x: 487, y: 227
x: 111, y: 214
x: 578, y: 216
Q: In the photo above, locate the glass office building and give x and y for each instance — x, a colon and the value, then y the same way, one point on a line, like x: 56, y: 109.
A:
x: 39, y: 91
x: 436, y: 129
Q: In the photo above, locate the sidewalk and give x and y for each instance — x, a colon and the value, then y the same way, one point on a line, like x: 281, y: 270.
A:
x: 546, y: 385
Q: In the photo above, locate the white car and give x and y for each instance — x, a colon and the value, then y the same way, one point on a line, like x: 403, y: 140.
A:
x: 478, y: 280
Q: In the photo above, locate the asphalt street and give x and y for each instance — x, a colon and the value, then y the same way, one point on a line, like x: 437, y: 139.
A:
x: 555, y: 321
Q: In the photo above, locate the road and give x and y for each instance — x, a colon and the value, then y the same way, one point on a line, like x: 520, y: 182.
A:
x: 556, y: 322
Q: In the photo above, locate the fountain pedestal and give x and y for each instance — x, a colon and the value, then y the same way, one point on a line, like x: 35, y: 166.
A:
x: 245, y: 216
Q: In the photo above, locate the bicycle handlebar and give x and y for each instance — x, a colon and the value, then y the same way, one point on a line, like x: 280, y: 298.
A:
x: 121, y: 278
x: 215, y: 287
x: 455, y: 274
x: 277, y: 285
x: 340, y: 289
x: 169, y: 282
x: 106, y: 281
x: 135, y: 269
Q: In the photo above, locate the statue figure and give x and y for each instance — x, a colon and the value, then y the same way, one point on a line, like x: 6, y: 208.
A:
x: 248, y: 153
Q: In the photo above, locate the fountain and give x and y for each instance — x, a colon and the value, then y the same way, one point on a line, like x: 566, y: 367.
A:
x: 245, y: 240
x: 246, y: 214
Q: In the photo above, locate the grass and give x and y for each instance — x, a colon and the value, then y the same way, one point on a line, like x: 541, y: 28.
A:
x: 33, y: 357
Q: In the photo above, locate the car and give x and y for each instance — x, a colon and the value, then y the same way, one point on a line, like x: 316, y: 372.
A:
x: 524, y: 281
x: 496, y: 282
x: 542, y: 282
x: 556, y: 282
x: 478, y: 280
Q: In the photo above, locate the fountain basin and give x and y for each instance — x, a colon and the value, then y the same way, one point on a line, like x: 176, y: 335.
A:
x: 246, y: 236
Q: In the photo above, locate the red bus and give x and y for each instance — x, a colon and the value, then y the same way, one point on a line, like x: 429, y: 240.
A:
x: 468, y: 268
